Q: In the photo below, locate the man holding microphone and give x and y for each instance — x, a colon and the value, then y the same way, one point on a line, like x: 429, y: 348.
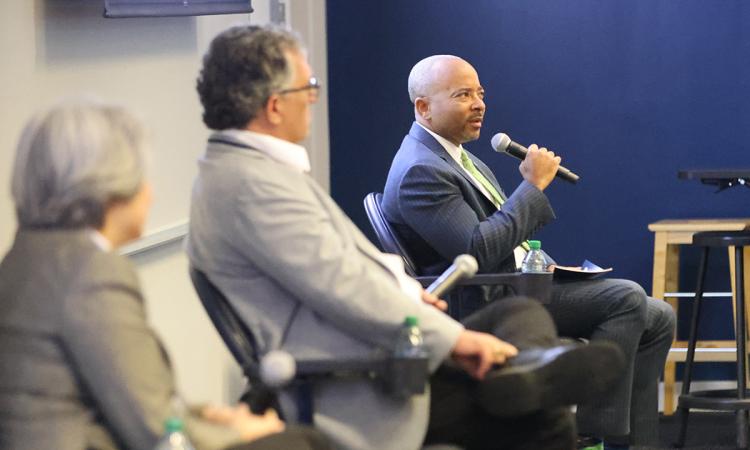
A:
x: 444, y: 201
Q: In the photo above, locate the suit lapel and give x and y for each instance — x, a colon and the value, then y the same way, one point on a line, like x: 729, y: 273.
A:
x: 419, y: 133
x: 484, y: 170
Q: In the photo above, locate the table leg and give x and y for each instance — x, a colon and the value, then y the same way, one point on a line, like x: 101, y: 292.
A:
x: 746, y: 279
x: 666, y: 279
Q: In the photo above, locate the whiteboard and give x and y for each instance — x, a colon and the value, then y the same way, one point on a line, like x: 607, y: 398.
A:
x: 53, y: 49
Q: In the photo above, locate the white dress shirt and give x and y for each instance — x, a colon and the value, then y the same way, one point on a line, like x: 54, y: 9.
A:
x: 285, y: 152
x: 99, y: 240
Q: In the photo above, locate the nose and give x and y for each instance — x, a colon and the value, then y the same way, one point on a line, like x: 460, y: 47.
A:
x: 478, y: 104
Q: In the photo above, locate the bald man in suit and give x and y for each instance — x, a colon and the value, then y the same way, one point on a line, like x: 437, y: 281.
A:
x: 444, y: 201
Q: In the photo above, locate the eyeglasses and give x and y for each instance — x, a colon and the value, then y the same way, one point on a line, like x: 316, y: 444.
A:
x: 312, y: 85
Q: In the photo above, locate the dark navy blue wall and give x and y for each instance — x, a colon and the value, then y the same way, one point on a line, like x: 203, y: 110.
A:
x: 628, y: 92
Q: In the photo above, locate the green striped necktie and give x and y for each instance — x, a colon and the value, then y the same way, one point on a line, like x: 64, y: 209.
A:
x: 497, y: 199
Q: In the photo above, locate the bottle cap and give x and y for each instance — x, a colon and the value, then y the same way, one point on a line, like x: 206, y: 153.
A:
x: 535, y: 245
x: 173, y: 424
x: 411, y: 321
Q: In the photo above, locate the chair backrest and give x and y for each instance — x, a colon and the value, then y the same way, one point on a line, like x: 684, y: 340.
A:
x: 389, y: 240
x: 235, y: 334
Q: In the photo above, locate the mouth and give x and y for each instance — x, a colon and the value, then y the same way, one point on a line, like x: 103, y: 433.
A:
x: 476, y: 122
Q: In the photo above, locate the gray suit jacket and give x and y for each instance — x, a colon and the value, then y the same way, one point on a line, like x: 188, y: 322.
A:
x: 79, y: 366
x: 306, y: 280
x: 440, y: 213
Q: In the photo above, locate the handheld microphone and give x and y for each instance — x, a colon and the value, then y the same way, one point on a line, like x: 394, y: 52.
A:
x: 502, y: 144
x: 276, y: 369
x: 464, y: 266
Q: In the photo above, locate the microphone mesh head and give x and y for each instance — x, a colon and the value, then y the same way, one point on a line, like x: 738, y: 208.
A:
x: 467, y: 264
x: 277, y: 368
x: 500, y: 142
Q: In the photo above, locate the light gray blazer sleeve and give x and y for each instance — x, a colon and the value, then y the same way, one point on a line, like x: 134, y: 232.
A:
x: 291, y: 228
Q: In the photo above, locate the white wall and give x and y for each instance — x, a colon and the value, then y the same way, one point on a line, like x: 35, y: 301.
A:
x: 56, y: 48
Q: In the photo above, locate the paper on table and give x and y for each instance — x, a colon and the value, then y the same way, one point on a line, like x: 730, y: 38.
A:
x: 584, y: 271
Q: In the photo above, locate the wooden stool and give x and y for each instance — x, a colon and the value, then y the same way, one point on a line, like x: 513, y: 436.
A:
x: 668, y: 236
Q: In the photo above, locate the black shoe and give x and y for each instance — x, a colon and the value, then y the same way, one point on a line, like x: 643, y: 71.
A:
x: 543, y: 378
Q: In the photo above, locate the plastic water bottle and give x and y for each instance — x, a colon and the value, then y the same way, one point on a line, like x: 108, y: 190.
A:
x: 534, y: 262
x: 174, y: 437
x: 408, y: 369
x: 410, y: 343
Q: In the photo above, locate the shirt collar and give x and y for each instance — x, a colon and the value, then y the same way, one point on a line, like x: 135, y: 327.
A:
x: 285, y: 152
x: 452, y: 149
x: 99, y: 240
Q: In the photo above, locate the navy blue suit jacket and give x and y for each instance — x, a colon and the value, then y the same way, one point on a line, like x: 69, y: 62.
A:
x: 439, y: 212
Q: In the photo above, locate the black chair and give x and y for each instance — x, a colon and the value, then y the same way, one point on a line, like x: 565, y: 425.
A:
x: 238, y: 339
x: 725, y: 399
x: 537, y: 286
x: 398, y: 377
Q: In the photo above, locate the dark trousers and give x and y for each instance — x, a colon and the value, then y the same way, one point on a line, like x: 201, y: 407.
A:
x: 455, y: 417
x: 619, y: 311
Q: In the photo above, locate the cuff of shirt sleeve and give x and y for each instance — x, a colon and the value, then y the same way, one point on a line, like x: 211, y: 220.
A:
x: 440, y: 333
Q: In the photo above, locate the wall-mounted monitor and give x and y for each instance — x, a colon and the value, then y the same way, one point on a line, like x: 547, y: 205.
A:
x: 161, y: 8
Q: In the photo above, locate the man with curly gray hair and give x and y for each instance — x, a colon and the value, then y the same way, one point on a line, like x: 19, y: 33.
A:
x: 243, y: 69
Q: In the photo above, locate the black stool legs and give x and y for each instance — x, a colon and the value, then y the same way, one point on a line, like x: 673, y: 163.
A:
x: 727, y: 399
x: 741, y: 340
x: 687, y: 371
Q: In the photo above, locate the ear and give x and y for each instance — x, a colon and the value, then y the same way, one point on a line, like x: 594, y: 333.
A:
x: 274, y: 109
x: 422, y: 107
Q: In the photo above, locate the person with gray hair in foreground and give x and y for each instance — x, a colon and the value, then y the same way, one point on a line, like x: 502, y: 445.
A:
x: 305, y: 280
x: 81, y: 368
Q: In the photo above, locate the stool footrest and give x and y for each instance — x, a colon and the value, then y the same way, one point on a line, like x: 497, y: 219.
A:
x: 692, y: 295
x: 716, y: 399
x: 704, y: 354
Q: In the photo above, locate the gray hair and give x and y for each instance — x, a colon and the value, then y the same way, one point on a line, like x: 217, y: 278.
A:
x: 422, y: 75
x: 243, y: 67
x: 75, y: 159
